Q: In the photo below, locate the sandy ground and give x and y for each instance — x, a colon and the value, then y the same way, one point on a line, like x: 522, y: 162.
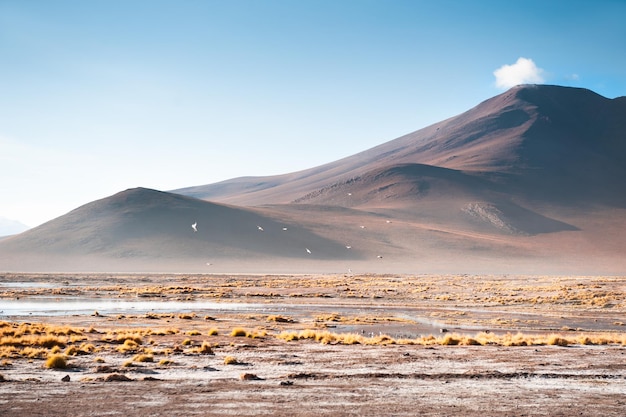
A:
x: 400, y: 366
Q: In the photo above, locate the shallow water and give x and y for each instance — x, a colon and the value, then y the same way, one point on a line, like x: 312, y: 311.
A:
x: 27, y: 285
x: 79, y: 306
x: 419, y: 321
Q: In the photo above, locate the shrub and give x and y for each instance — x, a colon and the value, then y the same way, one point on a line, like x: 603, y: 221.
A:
x: 280, y: 319
x: 288, y: 336
x: 71, y: 351
x: 130, y: 337
x: 239, y: 332
x: 50, y: 342
x: 249, y: 377
x: 351, y: 339
x: 450, y: 340
x: 206, y: 349
x: 470, y: 341
x: 86, y: 348
x: 230, y: 360
x: 256, y: 333
x: 56, y: 362
x: 32, y: 352
x: 128, y: 346
x: 557, y: 340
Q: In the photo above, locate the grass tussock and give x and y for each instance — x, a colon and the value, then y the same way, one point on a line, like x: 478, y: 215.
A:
x: 231, y: 360
x: 239, y: 332
x: 213, y: 332
x: 47, y: 341
x: 143, y: 358
x: 452, y: 339
x: 205, y: 349
x: 34, y: 352
x: 165, y: 332
x: 56, y: 362
x: 129, y: 346
x: 280, y: 319
x: 123, y: 337
x: 557, y: 340
x: 257, y: 333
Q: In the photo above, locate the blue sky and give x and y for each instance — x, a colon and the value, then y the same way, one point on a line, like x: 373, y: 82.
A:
x: 100, y: 96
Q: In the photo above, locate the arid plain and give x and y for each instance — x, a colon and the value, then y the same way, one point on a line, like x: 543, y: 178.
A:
x: 194, y: 344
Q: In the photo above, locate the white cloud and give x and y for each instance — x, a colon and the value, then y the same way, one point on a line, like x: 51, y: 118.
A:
x: 524, y: 71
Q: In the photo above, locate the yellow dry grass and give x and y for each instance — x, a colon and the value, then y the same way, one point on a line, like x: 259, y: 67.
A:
x: 230, y: 360
x: 453, y: 339
x: 56, y: 362
x: 205, y: 349
x: 239, y: 332
x: 143, y: 358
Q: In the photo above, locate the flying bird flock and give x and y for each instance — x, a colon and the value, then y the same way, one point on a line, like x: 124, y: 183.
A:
x: 194, y: 226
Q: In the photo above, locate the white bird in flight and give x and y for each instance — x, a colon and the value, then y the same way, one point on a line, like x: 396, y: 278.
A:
x: 284, y: 228
x: 348, y: 247
x: 260, y: 228
x: 308, y: 250
x: 195, y: 226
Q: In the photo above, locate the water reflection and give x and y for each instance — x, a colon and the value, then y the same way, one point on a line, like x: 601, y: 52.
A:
x: 65, y: 306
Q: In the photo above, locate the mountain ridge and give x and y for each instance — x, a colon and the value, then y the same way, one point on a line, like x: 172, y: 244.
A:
x: 507, y: 136
x: 529, y: 181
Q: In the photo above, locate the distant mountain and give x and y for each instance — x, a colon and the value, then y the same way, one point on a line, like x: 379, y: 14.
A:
x: 11, y: 227
x: 546, y: 143
x: 146, y: 227
x: 529, y: 181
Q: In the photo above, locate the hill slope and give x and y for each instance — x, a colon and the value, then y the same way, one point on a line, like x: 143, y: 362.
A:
x: 548, y: 143
x: 142, y: 227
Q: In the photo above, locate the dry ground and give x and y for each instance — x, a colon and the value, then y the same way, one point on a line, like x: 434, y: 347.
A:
x: 316, y: 345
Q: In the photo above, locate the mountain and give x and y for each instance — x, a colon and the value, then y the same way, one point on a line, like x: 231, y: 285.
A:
x: 529, y: 181
x: 148, y: 229
x: 11, y: 227
x: 549, y: 143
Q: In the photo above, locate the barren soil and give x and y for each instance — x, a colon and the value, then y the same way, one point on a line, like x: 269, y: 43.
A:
x: 376, y: 345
